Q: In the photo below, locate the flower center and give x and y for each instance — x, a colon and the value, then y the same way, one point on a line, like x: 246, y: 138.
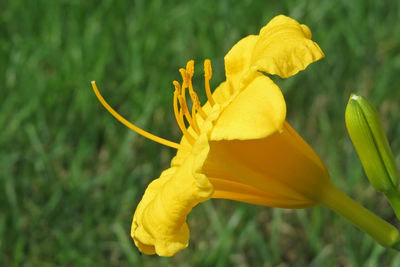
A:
x: 181, y: 111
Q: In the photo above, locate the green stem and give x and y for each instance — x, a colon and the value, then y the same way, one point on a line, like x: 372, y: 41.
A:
x: 394, y: 199
x: 380, y: 230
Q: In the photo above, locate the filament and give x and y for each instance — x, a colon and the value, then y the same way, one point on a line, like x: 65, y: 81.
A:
x: 195, y: 100
x: 207, y: 78
x: 194, y: 120
x: 179, y: 119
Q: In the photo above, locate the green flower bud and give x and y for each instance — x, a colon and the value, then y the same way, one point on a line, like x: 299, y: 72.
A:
x: 369, y: 139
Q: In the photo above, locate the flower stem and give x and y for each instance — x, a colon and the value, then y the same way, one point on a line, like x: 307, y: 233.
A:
x: 394, y: 199
x: 383, y: 232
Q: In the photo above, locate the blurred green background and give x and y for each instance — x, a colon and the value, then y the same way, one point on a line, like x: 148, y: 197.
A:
x: 71, y: 175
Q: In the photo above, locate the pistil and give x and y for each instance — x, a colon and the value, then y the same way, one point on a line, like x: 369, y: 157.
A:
x: 132, y: 126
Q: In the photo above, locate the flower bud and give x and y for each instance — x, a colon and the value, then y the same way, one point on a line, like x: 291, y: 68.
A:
x: 369, y: 139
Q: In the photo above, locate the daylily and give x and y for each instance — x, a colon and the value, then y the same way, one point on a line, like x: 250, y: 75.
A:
x: 239, y: 146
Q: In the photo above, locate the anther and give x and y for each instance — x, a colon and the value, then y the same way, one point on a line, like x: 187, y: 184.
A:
x: 182, y: 71
x: 182, y: 100
x: 190, y: 69
x: 207, y: 69
x: 177, y: 87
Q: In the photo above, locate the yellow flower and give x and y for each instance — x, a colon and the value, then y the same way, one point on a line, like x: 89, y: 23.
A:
x: 238, y: 145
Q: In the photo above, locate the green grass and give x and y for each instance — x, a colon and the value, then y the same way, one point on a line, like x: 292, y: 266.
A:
x: 71, y: 176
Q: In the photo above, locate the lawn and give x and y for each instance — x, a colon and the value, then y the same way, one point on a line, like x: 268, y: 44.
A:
x: 71, y: 176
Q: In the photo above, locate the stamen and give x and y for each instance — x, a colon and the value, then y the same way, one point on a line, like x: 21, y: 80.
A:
x: 207, y: 78
x: 195, y: 100
x: 184, y: 108
x: 177, y: 86
x: 132, y: 126
x: 190, y: 69
x: 176, y: 109
x: 201, y: 112
x: 184, y: 83
x: 182, y: 102
x: 179, y: 119
x: 195, y: 125
x: 185, y: 132
x: 182, y: 71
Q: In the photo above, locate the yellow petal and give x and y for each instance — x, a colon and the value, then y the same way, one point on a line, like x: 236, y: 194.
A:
x: 284, y: 48
x: 222, y: 96
x: 159, y: 223
x: 237, y: 61
x: 280, y: 170
x: 256, y: 112
x: 234, y: 190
